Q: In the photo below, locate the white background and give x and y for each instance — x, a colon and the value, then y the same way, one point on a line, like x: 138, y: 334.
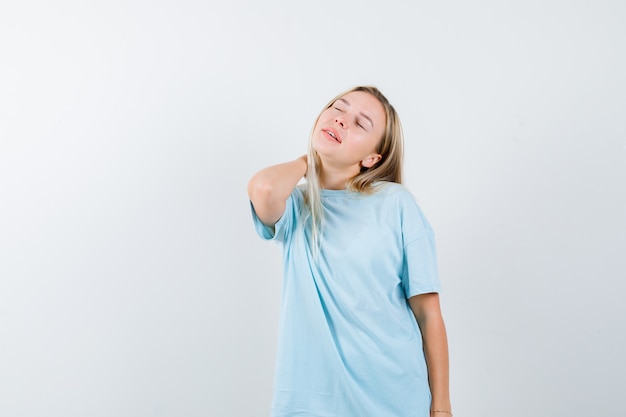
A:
x: 131, y: 280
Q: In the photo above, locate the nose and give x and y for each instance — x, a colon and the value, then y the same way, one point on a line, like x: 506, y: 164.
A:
x: 340, y: 121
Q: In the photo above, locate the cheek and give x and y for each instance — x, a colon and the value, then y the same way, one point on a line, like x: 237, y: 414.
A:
x: 370, y: 142
x: 321, y: 122
x: 325, y: 116
x: 378, y: 140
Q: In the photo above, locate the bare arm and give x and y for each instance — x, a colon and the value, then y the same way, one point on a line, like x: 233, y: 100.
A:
x: 269, y: 188
x: 427, y: 312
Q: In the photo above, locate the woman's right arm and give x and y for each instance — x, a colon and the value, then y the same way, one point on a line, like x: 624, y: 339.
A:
x: 269, y: 188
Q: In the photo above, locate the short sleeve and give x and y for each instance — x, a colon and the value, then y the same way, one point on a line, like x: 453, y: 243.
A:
x: 283, y: 226
x: 419, y: 273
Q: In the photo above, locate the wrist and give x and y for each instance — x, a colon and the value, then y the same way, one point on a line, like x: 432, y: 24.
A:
x: 440, y: 407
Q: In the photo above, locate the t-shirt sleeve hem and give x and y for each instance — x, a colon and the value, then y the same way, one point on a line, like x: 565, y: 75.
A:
x: 264, y: 231
x: 423, y: 290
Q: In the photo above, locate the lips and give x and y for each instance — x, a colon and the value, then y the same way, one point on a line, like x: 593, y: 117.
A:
x: 332, y: 134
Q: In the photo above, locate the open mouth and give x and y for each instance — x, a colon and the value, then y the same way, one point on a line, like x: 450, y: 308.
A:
x: 333, y: 135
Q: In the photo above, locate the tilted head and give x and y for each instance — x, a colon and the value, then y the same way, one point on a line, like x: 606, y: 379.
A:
x: 359, y: 127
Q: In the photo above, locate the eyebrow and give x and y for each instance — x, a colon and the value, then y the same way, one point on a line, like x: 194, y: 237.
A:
x: 360, y: 113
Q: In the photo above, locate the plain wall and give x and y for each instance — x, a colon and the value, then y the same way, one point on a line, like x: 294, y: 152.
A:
x: 131, y: 280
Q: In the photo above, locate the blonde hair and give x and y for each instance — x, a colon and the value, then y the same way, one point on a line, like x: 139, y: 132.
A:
x: 389, y: 168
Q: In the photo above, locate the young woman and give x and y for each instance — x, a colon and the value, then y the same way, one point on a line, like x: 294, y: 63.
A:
x: 361, y: 331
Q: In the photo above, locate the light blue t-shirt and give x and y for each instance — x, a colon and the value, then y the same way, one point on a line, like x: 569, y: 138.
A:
x: 349, y: 345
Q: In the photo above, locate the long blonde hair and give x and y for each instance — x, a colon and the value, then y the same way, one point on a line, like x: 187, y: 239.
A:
x: 389, y: 168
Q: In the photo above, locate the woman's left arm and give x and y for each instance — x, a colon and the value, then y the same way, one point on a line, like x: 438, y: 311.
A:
x: 427, y: 312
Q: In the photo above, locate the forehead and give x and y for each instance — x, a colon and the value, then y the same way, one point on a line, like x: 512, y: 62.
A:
x: 362, y: 101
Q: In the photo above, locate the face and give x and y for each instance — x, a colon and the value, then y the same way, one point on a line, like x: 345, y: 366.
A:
x: 348, y: 132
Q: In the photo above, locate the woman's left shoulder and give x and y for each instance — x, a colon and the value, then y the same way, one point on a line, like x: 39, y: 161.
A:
x: 395, y: 190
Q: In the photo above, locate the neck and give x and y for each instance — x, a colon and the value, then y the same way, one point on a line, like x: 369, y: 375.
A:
x: 335, y: 178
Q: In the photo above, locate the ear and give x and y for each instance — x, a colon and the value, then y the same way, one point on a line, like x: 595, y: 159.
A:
x: 371, y: 160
